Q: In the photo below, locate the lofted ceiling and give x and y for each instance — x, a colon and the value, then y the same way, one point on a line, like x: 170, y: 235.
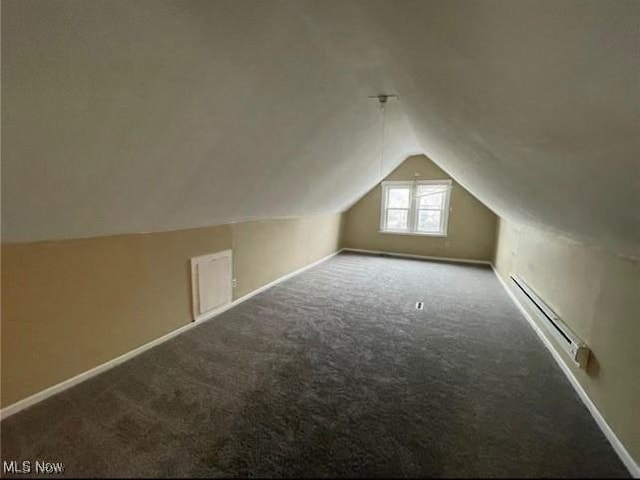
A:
x: 123, y: 116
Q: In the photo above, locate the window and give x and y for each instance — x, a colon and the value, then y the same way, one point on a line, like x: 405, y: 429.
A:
x: 420, y: 208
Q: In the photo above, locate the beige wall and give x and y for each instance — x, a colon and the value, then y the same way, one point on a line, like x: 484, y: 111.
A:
x: 267, y: 250
x: 472, y: 226
x: 598, y: 295
x: 68, y: 306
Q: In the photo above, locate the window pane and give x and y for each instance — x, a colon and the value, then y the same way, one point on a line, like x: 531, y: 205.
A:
x: 433, y: 200
x: 429, y: 221
x: 398, y: 197
x: 397, y: 219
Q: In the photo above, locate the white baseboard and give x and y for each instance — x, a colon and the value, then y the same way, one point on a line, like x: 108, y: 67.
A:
x: 70, y: 382
x: 420, y: 257
x: 617, y: 445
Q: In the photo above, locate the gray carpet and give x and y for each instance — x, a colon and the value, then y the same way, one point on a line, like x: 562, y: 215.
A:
x: 333, y: 373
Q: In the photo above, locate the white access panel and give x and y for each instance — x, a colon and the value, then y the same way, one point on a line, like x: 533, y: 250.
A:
x: 211, y: 277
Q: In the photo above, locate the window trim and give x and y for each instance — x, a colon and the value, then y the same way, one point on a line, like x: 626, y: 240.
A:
x: 413, y: 207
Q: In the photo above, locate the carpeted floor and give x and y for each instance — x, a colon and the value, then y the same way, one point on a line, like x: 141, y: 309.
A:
x: 333, y: 373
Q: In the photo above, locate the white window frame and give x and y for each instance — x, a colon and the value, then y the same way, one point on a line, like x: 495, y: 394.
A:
x: 413, y: 207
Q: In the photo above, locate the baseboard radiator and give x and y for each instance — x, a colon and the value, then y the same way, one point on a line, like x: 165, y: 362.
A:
x: 575, y: 348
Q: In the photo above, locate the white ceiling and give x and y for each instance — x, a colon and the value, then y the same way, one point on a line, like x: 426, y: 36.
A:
x: 123, y: 116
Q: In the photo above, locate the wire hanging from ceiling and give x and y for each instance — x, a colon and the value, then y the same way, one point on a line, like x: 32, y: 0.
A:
x: 382, y: 100
x: 382, y: 140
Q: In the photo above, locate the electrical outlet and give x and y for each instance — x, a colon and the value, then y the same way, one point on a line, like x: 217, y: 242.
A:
x: 234, y: 283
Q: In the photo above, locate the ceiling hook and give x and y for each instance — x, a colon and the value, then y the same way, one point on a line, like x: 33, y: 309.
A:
x: 383, y: 97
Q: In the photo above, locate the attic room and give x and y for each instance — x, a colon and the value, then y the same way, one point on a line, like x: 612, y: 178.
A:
x: 320, y: 238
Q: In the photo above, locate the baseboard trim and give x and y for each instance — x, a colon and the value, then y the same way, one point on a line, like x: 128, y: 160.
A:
x: 70, y: 382
x: 420, y: 257
x: 608, y: 432
x: 617, y: 445
x: 81, y: 377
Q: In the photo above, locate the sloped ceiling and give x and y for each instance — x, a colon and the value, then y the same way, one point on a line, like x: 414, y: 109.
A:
x: 123, y: 116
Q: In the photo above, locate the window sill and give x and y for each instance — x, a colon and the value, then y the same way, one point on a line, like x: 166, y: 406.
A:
x: 418, y: 234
